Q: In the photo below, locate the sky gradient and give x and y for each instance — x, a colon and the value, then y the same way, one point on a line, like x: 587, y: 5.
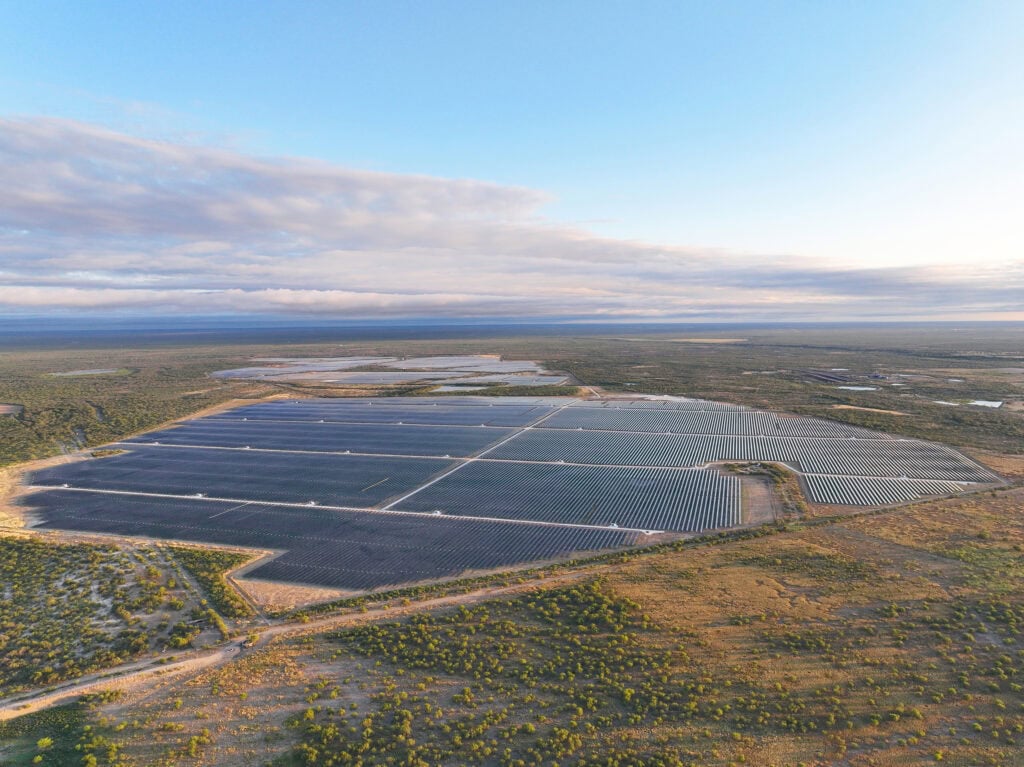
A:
x: 726, y: 161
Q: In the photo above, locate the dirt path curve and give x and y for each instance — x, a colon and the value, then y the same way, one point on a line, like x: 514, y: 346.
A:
x: 151, y: 670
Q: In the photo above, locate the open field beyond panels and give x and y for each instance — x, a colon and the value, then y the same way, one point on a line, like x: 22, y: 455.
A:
x: 366, y: 493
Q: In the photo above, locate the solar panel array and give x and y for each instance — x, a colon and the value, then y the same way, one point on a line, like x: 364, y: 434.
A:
x: 255, y: 475
x: 330, y: 437
x: 351, y: 550
x: 517, y: 379
x: 468, y: 412
x: 726, y: 422
x: 648, y: 499
x: 363, y: 378
x: 484, y: 363
x: 874, y: 491
x: 882, y: 458
x: 362, y: 493
x: 665, y: 403
x: 287, y: 365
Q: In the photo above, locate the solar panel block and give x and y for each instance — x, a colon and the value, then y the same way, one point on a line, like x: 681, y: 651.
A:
x: 385, y: 439
x: 874, y: 491
x: 336, y: 480
x: 639, y: 498
x: 338, y: 549
x: 873, y: 457
x: 368, y: 411
x: 514, y: 479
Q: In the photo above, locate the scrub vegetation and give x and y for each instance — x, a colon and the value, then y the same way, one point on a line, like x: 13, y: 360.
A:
x: 68, y: 609
x: 892, y: 638
x: 208, y: 566
x: 64, y: 413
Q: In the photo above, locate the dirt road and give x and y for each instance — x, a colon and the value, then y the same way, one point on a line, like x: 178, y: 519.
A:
x: 138, y: 674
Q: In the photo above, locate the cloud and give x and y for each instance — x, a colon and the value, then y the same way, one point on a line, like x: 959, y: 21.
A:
x: 92, y: 219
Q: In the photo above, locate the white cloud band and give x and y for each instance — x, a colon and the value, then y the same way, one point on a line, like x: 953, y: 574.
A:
x: 96, y: 220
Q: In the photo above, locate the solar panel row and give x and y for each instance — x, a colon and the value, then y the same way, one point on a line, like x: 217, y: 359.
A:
x: 386, y: 439
x: 641, y: 498
x: 440, y: 550
x: 482, y: 363
x: 369, y: 377
x: 749, y: 423
x: 349, y: 550
x: 876, y: 457
x: 676, y: 403
x: 441, y: 415
x: 328, y: 480
x: 871, y: 491
x: 285, y: 365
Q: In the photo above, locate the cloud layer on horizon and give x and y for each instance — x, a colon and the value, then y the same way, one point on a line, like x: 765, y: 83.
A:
x: 96, y: 220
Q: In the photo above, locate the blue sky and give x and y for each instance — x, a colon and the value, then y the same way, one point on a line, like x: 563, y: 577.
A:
x: 811, y: 145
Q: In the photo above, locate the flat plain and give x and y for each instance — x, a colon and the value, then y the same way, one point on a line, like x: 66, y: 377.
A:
x: 837, y: 635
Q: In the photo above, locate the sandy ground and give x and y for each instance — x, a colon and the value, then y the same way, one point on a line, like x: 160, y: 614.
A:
x: 268, y: 595
x: 139, y: 676
x: 127, y: 677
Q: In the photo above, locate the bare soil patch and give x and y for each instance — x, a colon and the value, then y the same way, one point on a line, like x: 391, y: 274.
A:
x: 759, y: 504
x: 268, y: 595
x: 868, y: 409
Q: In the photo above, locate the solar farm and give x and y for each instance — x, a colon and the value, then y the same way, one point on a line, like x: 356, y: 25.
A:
x: 360, y: 494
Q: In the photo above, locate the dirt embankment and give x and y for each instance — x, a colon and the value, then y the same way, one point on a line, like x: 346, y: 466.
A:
x: 269, y: 595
